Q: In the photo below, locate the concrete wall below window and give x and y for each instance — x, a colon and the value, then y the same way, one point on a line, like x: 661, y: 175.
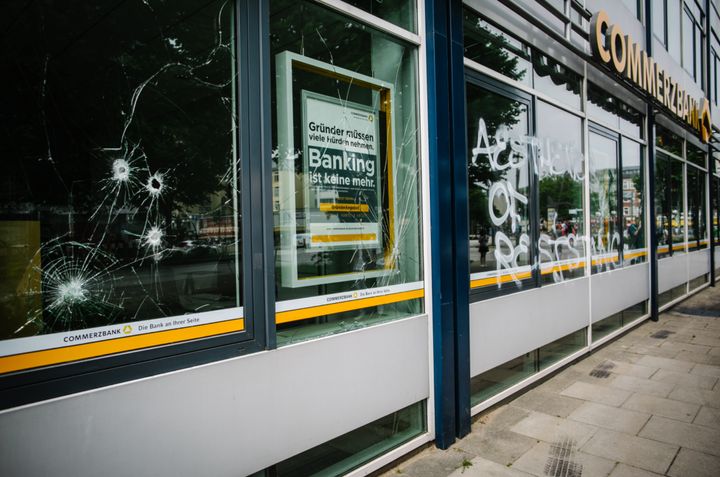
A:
x: 228, y: 418
x: 506, y: 327
x: 619, y: 289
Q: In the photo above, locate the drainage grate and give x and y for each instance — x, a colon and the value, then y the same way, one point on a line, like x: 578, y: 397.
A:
x: 662, y: 334
x: 602, y: 370
x: 561, y: 462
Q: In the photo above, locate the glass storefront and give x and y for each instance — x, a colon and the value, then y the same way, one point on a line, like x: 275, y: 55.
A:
x: 669, y: 209
x: 491, y: 382
x: 616, y: 201
x: 696, y: 216
x: 560, y: 171
x: 351, y: 450
x: 121, y: 194
x: 144, y: 222
x: 633, y: 202
x: 680, y: 170
x: 604, y: 226
x: 499, y: 183
x: 616, y: 321
x: 345, y: 174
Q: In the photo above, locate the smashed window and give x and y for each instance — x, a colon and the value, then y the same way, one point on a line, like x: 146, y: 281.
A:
x: 345, y: 158
x: 119, y: 198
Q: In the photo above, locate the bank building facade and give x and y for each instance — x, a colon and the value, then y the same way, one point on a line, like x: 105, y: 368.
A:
x: 272, y: 237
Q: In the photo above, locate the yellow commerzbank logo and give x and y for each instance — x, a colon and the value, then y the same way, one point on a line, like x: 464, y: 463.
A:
x: 127, y: 329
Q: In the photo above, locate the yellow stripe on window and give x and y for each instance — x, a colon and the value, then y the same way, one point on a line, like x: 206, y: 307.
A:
x: 330, y: 207
x: 67, y: 354
x: 563, y: 268
x: 628, y: 256
x: 343, y: 238
x: 483, y: 282
x: 315, y: 311
x: 599, y: 261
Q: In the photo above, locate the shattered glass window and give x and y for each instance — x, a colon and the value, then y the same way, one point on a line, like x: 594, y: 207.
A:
x: 119, y: 200
x: 345, y: 159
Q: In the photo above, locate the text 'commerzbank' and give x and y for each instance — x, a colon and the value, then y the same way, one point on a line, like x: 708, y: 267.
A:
x: 627, y: 58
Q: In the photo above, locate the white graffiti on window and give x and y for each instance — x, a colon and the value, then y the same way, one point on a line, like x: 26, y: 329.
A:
x: 547, y: 158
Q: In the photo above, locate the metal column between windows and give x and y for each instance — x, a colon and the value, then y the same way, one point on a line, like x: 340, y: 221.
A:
x: 448, y: 212
x: 651, y: 177
x: 710, y: 149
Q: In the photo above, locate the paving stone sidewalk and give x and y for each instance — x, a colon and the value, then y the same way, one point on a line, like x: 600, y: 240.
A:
x: 647, y: 404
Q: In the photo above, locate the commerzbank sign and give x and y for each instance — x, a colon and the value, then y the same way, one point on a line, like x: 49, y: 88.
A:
x: 620, y: 52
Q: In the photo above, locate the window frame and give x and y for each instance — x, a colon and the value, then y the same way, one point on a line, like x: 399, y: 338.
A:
x: 663, y: 36
x: 619, y: 139
x: 595, y: 128
x: 254, y: 148
x: 697, y: 55
x: 253, y: 144
x: 496, y: 87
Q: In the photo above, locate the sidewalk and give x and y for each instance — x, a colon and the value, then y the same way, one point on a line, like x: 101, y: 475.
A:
x: 647, y: 404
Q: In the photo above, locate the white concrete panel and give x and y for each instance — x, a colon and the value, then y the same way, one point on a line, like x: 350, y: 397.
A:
x: 229, y: 418
x: 614, y: 291
x: 503, y: 328
x: 672, y: 271
x: 698, y: 263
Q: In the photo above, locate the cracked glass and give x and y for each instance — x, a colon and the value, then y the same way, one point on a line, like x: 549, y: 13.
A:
x: 119, y: 199
x: 345, y: 173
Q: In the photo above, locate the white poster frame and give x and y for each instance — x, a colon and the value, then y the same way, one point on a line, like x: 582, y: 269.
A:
x: 287, y: 154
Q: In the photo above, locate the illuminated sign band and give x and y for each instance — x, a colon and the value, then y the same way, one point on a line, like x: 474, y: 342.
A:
x: 627, y: 58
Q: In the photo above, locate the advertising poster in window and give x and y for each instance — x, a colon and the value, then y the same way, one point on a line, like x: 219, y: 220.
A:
x: 341, y: 163
x: 335, y: 187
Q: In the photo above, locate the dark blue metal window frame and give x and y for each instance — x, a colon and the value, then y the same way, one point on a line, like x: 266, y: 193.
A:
x: 253, y: 137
